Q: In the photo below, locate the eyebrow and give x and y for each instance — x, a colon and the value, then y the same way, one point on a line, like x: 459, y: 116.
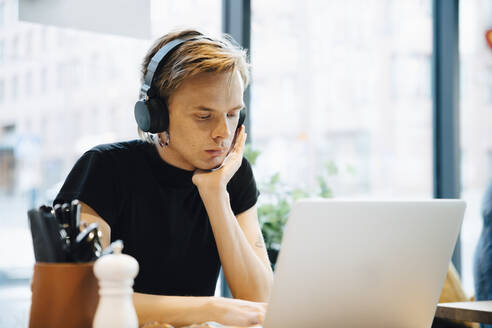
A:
x: 214, y: 110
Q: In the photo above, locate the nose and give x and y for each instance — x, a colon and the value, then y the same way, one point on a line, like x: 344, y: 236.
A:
x: 221, y: 129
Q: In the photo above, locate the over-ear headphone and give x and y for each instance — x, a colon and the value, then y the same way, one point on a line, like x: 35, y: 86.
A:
x: 151, y: 112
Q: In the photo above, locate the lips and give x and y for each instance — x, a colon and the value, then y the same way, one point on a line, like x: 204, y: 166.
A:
x: 216, y: 152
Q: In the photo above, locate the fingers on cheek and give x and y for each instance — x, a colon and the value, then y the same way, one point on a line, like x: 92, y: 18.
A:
x: 243, y: 139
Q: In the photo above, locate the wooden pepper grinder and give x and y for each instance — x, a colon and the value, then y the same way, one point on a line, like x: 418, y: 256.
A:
x: 116, y: 273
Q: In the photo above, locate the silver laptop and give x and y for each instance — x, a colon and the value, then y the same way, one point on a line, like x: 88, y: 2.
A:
x: 363, y: 263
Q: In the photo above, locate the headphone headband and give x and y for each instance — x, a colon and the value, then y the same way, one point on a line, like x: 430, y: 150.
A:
x: 154, y: 64
x: 157, y: 60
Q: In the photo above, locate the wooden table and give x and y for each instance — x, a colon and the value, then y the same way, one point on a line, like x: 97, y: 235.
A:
x: 479, y: 311
x: 202, y: 325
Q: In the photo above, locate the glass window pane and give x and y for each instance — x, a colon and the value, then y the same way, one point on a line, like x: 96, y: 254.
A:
x: 2, y: 51
x: 2, y: 13
x: 2, y: 91
x: 341, y: 89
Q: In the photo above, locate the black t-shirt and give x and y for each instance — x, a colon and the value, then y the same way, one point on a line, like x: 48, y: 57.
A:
x: 157, y: 211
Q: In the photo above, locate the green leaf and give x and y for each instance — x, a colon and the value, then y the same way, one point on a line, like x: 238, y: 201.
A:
x: 351, y: 169
x: 331, y: 168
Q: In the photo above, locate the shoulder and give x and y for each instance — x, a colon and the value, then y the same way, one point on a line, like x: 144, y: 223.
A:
x: 245, y: 170
x: 121, y: 147
x: 242, y: 188
x: 124, y: 150
x: 244, y: 175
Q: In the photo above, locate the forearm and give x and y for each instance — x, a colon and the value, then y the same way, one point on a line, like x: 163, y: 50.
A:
x: 187, y: 310
x: 248, y: 277
x: 175, y: 310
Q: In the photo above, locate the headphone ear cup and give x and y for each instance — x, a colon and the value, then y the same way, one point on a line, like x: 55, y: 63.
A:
x: 159, y: 115
x: 242, y: 118
x: 152, y: 115
x: 142, y: 115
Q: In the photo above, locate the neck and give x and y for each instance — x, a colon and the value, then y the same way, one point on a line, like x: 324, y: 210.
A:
x: 171, y: 158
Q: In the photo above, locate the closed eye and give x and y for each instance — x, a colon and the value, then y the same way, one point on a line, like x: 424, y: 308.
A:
x: 203, y: 117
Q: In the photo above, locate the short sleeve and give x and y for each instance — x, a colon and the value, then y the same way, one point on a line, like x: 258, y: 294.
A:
x: 242, y: 189
x: 92, y: 181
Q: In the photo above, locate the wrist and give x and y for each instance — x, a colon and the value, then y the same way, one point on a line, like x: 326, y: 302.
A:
x: 209, y: 305
x: 200, y: 309
x: 216, y: 192
x: 212, y: 185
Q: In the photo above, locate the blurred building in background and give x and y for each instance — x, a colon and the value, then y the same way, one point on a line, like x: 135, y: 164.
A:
x: 63, y: 91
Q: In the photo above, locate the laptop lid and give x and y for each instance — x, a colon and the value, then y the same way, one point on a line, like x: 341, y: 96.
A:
x: 363, y: 263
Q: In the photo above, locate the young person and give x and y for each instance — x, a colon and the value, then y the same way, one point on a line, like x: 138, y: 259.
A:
x: 183, y: 200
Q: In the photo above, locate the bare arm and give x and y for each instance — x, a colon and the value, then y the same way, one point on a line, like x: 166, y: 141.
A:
x: 241, y: 248
x: 184, y: 310
x: 239, y: 240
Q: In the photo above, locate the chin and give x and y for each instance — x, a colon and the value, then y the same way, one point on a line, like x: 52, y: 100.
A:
x: 206, y: 167
x: 210, y: 164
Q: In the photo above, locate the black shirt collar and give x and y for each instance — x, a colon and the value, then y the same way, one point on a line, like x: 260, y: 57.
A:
x: 167, y: 173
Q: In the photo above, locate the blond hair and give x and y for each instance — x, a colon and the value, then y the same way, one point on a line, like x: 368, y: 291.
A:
x: 198, y: 55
